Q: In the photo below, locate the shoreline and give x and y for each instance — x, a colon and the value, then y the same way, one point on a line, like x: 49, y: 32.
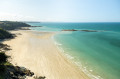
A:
x: 37, y: 52
x: 71, y: 58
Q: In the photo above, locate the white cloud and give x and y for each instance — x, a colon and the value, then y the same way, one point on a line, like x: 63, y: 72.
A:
x: 16, y: 17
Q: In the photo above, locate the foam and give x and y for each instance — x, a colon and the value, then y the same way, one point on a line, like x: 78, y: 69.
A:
x: 79, y: 64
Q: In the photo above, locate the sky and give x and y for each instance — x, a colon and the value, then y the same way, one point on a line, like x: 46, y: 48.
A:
x: 60, y: 10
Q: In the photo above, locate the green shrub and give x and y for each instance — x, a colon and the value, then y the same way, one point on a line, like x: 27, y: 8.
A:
x: 4, y: 34
x: 3, y: 58
x: 12, y: 25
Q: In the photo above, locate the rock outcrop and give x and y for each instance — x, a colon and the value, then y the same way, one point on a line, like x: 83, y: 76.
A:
x: 70, y: 30
x: 80, y: 30
x: 16, y: 72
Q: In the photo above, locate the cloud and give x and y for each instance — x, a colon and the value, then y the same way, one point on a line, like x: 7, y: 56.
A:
x: 16, y: 17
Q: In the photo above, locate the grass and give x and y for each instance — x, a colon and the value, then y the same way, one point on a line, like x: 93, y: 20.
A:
x: 3, y: 64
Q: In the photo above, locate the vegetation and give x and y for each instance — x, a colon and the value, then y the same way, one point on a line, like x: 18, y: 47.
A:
x: 3, y: 47
x: 7, y: 70
x: 3, y: 58
x: 4, y: 34
x: 3, y: 61
x: 12, y: 25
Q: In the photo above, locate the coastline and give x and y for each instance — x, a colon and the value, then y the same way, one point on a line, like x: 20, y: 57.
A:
x: 36, y: 51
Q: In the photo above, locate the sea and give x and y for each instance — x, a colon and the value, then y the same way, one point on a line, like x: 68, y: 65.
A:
x: 96, y: 53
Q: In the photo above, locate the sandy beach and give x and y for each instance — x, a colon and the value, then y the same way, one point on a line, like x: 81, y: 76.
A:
x: 37, y: 52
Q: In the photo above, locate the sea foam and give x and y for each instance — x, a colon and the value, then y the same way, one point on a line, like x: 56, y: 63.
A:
x: 79, y: 64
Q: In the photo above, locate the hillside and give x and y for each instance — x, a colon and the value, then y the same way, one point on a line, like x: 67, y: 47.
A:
x: 4, y: 34
x: 7, y: 70
x: 12, y: 25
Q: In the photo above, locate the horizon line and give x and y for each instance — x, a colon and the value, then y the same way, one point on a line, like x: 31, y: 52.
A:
x: 65, y: 21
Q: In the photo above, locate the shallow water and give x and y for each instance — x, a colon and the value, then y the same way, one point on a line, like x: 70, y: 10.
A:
x: 97, y: 53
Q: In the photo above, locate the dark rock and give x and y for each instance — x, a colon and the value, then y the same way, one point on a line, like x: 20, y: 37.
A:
x: 36, y: 26
x: 16, y: 72
x: 89, y: 30
x: 80, y: 30
x: 40, y: 77
x: 4, y: 47
x: 70, y: 30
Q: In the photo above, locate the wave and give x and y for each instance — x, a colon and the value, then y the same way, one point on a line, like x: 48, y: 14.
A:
x: 72, y: 58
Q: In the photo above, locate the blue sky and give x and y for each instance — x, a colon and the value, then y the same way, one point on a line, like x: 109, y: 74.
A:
x: 60, y: 10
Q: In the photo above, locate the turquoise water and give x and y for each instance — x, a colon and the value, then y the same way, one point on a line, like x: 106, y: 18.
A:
x: 97, y: 53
